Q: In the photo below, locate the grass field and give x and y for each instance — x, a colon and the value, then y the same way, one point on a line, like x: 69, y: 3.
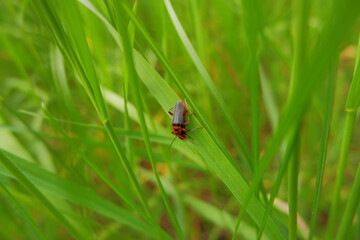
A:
x: 86, y: 86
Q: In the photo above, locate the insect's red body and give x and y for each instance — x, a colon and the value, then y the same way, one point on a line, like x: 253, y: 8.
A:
x: 179, y: 121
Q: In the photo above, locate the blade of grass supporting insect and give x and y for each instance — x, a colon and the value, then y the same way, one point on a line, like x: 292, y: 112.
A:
x: 283, y: 167
x: 350, y: 209
x: 293, y: 111
x: 328, y: 106
x: 178, y: 197
x: 79, y: 195
x: 206, y: 77
x: 254, y: 72
x: 352, y: 105
x: 38, y: 194
x: 212, y: 150
x: 132, y: 75
x: 24, y: 214
x: 170, y: 71
x: 116, y: 101
x: 213, y: 156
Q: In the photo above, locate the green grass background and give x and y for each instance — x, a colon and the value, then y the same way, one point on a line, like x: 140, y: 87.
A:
x: 85, y: 133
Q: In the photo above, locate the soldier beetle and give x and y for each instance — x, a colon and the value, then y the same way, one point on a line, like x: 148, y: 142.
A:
x: 179, y: 121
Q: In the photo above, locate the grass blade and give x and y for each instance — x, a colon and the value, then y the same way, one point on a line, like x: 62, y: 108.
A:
x: 350, y: 209
x: 132, y: 75
x: 353, y: 100
x: 284, y: 164
x: 344, y: 152
x: 24, y: 214
x: 205, y: 146
x: 293, y: 175
x: 323, y: 153
x: 311, y: 75
x: 352, y: 104
x: 77, y: 194
x: 206, y: 77
x: 219, y: 217
x: 8, y: 163
x: 73, y: 45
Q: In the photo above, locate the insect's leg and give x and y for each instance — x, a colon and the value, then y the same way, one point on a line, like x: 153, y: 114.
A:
x: 170, y: 111
x: 188, y: 130
x: 172, y: 142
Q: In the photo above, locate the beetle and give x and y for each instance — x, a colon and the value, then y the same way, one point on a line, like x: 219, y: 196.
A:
x: 179, y: 121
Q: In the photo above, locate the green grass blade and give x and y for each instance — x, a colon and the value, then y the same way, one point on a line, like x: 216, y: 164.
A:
x: 163, y: 60
x: 129, y: 145
x: 293, y: 175
x: 251, y: 15
x: 106, y: 72
x: 205, y: 146
x: 116, y: 101
x: 311, y: 77
x: 73, y: 45
x: 132, y: 75
x: 344, y: 152
x: 350, y: 209
x: 96, y: 169
x: 219, y: 217
x: 24, y: 214
x: 284, y: 164
x: 174, y: 77
x: 269, y: 99
x: 77, y: 194
x: 13, y: 168
x: 328, y: 106
x: 300, y: 10
x: 206, y: 77
x: 252, y: 33
x: 352, y: 105
x: 353, y: 100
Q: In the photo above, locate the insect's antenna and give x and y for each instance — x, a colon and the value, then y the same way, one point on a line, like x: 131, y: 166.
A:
x: 172, y: 142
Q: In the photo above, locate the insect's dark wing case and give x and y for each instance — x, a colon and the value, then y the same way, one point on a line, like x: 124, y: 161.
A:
x: 178, y: 117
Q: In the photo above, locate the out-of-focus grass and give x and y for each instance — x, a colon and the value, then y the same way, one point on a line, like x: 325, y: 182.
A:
x: 85, y: 89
